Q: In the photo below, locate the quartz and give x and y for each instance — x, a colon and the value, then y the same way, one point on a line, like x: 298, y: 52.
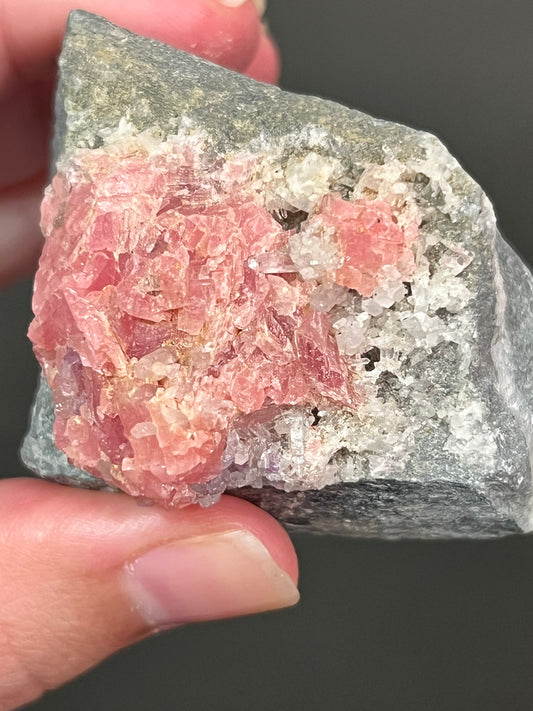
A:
x: 246, y: 290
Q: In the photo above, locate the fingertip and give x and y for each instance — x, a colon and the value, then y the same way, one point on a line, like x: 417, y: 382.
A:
x: 266, y: 63
x: 113, y: 521
x: 269, y: 531
x: 224, y: 35
x: 84, y: 573
x: 228, y: 36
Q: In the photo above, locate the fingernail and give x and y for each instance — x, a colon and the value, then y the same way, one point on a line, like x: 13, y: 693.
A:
x: 259, y: 4
x: 206, y: 578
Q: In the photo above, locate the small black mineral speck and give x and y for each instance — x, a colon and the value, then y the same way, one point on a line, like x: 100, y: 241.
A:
x: 316, y: 415
x: 290, y: 219
x: 373, y: 355
x: 345, y: 191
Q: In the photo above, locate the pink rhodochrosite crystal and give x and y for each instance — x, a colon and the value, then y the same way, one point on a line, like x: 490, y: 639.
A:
x: 182, y: 296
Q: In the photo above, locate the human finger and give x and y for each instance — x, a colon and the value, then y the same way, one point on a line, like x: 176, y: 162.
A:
x: 83, y: 574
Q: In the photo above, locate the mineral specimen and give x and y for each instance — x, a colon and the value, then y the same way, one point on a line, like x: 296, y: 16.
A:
x: 243, y: 288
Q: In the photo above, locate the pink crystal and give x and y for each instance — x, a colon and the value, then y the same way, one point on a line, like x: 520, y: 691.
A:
x: 370, y: 238
x: 167, y: 307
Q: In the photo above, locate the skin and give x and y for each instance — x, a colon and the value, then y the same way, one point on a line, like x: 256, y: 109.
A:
x: 64, y: 605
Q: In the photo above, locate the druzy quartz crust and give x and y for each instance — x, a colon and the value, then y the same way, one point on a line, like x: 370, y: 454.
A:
x: 241, y: 288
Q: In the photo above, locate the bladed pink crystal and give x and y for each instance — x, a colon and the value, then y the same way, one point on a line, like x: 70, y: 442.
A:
x: 157, y: 327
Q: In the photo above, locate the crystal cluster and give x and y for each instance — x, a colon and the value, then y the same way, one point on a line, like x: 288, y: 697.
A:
x: 249, y: 290
x: 175, y: 305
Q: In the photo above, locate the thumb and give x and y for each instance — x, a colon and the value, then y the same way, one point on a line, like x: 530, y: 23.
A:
x: 85, y: 573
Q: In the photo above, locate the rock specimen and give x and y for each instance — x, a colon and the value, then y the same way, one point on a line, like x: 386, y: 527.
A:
x: 244, y: 288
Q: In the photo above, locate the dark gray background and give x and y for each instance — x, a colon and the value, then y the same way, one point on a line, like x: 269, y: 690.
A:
x: 381, y: 625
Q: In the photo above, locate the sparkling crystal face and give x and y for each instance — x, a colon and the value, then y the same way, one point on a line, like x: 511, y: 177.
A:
x: 206, y: 321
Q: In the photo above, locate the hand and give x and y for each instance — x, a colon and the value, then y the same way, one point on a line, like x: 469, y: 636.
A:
x: 83, y: 573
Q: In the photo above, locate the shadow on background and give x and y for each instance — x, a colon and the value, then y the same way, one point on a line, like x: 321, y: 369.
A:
x: 381, y: 625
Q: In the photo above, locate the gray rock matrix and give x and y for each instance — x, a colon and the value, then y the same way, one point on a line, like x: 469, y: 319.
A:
x: 467, y: 469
